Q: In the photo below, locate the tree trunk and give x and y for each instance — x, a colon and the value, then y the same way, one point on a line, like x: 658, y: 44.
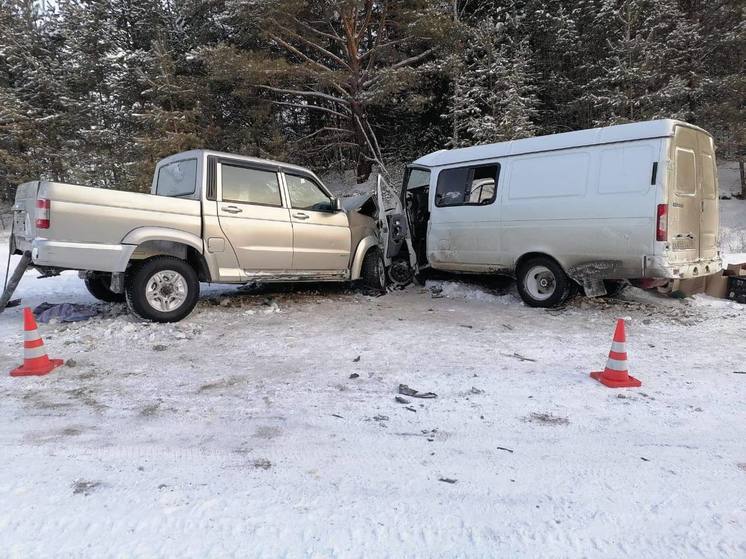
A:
x: 743, y: 178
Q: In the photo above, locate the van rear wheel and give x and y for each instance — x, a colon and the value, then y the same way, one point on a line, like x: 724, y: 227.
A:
x: 543, y: 283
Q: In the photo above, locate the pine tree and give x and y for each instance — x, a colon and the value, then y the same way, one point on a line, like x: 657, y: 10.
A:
x: 497, y: 99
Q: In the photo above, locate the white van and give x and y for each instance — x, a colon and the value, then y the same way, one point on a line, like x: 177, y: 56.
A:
x: 632, y: 202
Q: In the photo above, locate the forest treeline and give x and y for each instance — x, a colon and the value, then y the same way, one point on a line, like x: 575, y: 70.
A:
x: 96, y: 91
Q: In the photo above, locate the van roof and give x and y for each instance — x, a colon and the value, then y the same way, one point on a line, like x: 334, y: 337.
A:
x: 566, y: 140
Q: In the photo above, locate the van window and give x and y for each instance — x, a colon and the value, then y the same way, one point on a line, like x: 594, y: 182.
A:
x: 548, y: 176
x: 418, y: 178
x: 177, y: 179
x: 686, y: 172
x: 467, y: 186
x: 625, y: 169
x: 250, y: 186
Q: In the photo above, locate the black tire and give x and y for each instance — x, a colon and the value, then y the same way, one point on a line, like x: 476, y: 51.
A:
x: 550, y: 287
x: 143, y: 277
x: 98, y: 285
x: 374, y: 270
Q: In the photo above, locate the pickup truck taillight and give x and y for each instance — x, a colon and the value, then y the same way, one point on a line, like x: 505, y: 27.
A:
x: 661, y: 229
x: 42, y: 213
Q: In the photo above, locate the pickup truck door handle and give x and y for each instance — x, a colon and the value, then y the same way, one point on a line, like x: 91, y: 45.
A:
x: 232, y: 209
x: 299, y: 215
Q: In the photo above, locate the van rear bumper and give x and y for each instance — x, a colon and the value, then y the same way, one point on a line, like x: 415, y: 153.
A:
x: 81, y: 256
x: 660, y: 267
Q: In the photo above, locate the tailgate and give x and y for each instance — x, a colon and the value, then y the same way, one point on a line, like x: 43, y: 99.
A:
x: 24, y: 213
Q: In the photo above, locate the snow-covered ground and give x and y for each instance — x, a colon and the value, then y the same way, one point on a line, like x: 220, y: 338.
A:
x: 265, y: 425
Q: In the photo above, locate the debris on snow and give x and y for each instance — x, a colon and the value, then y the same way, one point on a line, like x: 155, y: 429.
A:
x: 64, y: 312
x: 400, y: 400
x: 519, y: 357
x: 84, y: 487
x: 505, y: 449
x: 406, y: 391
x: 354, y: 375
x: 447, y: 480
x: 546, y: 419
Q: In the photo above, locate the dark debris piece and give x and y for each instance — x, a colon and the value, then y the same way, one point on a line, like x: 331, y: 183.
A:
x: 400, y: 400
x: 447, y: 480
x: 406, y: 391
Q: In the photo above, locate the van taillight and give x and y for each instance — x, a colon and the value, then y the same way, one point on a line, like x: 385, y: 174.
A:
x: 42, y: 213
x: 661, y: 229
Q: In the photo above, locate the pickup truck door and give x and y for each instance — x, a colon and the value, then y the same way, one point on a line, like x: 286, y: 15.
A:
x: 321, y: 236
x: 253, y: 217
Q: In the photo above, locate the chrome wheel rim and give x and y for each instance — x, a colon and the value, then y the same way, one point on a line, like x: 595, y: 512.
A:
x: 540, y: 283
x: 166, y: 290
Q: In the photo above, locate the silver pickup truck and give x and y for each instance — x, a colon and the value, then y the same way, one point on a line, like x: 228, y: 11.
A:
x: 210, y: 217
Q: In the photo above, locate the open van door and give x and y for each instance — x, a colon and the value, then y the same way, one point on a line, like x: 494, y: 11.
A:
x: 692, y: 199
x: 396, y: 244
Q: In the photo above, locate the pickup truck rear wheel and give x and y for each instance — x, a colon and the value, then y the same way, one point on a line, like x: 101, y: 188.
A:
x: 374, y: 270
x: 542, y: 282
x: 162, y: 289
x: 98, y: 284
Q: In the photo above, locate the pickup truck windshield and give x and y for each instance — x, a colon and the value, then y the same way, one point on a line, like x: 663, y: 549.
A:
x: 177, y: 179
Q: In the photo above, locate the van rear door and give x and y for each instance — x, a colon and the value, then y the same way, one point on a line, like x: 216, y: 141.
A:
x: 692, y: 198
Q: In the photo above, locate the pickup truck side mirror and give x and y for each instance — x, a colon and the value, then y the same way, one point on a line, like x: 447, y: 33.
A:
x: 336, y: 205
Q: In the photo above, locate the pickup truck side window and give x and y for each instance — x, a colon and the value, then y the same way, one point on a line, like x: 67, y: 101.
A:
x: 305, y: 194
x: 177, y: 179
x: 250, y: 186
x: 467, y: 186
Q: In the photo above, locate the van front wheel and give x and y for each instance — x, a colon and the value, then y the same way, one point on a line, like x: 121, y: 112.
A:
x: 543, y: 283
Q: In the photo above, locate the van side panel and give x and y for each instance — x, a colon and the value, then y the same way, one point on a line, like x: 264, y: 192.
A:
x: 591, y: 209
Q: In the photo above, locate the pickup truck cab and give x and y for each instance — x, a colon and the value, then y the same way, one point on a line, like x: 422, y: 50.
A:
x: 211, y: 217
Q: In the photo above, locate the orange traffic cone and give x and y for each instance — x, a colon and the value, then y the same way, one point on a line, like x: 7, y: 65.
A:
x: 615, y: 375
x: 35, y: 360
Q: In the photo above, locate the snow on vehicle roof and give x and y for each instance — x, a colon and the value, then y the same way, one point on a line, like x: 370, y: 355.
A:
x: 593, y: 136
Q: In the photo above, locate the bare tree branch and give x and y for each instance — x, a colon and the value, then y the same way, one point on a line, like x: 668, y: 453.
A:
x: 313, y: 45
x: 413, y: 59
x: 314, y: 107
x: 305, y: 93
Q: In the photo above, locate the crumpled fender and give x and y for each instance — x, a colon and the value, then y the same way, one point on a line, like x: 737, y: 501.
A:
x: 362, y: 248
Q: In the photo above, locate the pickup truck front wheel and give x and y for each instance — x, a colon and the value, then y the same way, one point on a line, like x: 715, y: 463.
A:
x: 162, y: 289
x: 374, y: 270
